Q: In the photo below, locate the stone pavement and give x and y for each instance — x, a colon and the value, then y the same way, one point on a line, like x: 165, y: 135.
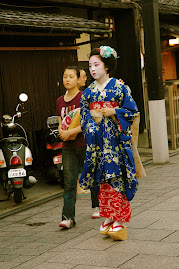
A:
x: 42, y: 192
x: 31, y: 239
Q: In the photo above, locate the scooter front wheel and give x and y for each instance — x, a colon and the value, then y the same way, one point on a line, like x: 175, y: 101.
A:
x: 18, y: 195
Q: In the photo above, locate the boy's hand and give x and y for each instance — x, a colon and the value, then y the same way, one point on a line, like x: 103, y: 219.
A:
x: 65, y: 134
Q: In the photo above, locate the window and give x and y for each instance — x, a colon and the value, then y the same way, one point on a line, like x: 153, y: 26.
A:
x: 109, y: 22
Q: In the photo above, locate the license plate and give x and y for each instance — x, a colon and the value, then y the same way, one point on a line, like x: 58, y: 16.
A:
x: 20, y: 172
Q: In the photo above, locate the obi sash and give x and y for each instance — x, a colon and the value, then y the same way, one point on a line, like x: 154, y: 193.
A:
x: 102, y: 104
x: 95, y: 109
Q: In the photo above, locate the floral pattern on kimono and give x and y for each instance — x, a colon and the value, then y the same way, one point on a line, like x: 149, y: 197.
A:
x: 109, y: 155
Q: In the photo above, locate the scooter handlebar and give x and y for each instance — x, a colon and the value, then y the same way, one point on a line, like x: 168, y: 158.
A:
x: 24, y: 112
x: 18, y: 115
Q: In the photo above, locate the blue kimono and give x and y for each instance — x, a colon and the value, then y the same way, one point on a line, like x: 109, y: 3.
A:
x: 109, y: 155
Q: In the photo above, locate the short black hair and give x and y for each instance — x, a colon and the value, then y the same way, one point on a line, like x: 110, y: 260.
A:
x: 109, y: 62
x: 81, y: 68
x: 75, y: 68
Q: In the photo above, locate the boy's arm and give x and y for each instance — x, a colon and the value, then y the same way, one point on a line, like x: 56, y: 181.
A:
x: 59, y: 126
x: 65, y: 134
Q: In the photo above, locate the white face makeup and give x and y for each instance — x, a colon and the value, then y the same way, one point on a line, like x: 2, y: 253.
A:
x: 97, y: 68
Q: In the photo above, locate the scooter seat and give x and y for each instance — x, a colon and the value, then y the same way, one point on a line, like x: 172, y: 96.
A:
x: 10, y: 140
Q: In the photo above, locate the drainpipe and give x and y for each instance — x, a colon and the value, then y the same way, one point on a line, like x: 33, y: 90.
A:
x: 157, y: 113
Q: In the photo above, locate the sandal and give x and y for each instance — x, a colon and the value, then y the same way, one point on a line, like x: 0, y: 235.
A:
x: 106, y: 226
x: 118, y: 235
x: 83, y: 192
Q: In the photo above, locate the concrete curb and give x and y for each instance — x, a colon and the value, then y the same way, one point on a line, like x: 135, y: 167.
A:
x: 30, y: 204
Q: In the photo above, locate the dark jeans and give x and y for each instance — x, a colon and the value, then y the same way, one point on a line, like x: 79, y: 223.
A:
x: 73, y: 161
x: 94, y: 198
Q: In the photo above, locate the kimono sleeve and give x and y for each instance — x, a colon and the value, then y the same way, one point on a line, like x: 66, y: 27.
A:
x: 128, y: 110
x: 85, y: 116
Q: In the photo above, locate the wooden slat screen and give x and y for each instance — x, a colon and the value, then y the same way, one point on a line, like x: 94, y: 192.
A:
x: 35, y: 73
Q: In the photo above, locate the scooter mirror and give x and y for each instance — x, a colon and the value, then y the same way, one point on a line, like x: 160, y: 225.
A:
x: 23, y: 97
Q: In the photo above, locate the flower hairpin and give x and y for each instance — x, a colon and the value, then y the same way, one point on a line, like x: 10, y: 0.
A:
x: 106, y: 52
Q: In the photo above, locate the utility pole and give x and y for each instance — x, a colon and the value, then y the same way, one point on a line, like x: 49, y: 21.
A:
x: 153, y: 65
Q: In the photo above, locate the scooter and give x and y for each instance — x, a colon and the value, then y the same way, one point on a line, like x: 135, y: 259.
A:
x: 54, y: 147
x: 15, y: 155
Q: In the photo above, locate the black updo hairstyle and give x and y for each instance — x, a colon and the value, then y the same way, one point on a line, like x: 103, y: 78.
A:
x: 109, y: 62
x: 75, y: 68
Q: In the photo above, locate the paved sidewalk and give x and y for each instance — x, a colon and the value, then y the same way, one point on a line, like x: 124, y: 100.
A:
x: 31, y: 239
x: 42, y: 192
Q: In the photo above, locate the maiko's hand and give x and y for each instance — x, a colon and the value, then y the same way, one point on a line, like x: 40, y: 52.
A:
x: 65, y: 135
x: 108, y: 111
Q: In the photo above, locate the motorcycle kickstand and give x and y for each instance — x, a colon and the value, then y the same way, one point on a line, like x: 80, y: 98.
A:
x: 8, y: 197
x: 23, y: 195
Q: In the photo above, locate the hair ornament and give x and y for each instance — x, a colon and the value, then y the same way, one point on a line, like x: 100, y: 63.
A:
x: 106, y: 52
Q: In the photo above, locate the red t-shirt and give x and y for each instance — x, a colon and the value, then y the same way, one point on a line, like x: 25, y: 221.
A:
x: 62, y: 109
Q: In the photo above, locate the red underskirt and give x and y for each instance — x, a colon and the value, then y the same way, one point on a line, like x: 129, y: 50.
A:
x: 113, y: 204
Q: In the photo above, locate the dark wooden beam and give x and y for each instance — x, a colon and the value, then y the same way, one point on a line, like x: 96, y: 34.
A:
x: 150, y: 16
x: 38, y: 48
x: 38, y: 34
x: 97, y: 3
